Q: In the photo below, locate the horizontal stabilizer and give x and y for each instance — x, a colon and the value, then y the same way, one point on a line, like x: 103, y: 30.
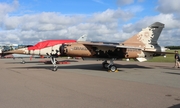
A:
x: 159, y: 52
x: 143, y: 59
x: 120, y: 46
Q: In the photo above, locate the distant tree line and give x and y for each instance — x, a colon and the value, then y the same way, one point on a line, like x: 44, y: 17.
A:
x: 173, y: 47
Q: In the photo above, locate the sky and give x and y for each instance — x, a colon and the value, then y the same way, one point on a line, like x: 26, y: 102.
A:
x: 30, y: 21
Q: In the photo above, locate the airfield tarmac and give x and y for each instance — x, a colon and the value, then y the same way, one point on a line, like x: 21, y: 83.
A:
x: 85, y: 84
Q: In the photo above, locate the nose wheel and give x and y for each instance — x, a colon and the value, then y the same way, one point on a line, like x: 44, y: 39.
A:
x: 22, y: 61
x: 55, y: 68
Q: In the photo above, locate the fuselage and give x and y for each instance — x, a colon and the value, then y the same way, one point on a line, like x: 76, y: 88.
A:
x: 88, y: 51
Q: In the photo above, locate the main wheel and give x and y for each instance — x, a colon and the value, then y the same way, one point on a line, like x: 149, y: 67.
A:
x: 105, y: 65
x: 112, y: 68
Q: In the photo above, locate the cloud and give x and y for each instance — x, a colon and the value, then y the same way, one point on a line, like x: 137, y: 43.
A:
x: 169, y: 35
x: 134, y: 9
x: 124, y: 2
x: 6, y: 8
x: 167, y: 19
x: 48, y: 21
x: 112, y: 25
x: 112, y: 15
x: 168, y: 6
x: 30, y: 28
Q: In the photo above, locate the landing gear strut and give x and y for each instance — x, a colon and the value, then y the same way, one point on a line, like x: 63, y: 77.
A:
x: 105, y: 64
x: 53, y: 61
x: 110, y: 66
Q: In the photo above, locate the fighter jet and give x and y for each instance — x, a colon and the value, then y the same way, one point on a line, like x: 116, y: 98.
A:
x: 46, y: 48
x: 142, y: 46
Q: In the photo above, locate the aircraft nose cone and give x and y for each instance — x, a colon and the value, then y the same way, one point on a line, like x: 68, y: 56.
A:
x: 19, y: 51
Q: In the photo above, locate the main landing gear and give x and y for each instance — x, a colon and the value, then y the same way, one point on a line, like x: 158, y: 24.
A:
x: 110, y: 66
x: 54, y: 61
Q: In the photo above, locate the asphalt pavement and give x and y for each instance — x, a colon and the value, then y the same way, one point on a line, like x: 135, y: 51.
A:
x: 85, y: 84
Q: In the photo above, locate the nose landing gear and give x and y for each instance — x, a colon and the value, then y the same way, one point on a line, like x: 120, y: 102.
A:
x: 53, y: 61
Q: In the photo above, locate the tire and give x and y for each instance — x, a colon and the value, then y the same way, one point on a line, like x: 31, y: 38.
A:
x: 112, y: 68
x: 105, y: 65
x: 55, y: 68
x: 23, y: 62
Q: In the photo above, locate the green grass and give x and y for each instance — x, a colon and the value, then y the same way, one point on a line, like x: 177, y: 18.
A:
x: 168, y: 58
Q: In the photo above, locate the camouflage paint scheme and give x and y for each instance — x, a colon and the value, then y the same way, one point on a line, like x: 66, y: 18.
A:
x: 141, y: 46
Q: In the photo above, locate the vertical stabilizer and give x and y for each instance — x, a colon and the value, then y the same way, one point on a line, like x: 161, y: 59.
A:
x: 147, y: 37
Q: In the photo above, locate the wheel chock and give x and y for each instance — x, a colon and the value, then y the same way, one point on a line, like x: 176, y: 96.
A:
x: 109, y: 71
x: 114, y: 71
x: 117, y: 70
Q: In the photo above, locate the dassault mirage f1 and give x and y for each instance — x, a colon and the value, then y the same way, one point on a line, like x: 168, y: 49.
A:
x: 48, y: 48
x: 142, y: 46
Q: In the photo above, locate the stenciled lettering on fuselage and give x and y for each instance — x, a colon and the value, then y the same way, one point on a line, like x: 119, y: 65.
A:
x: 80, y: 48
x: 132, y: 49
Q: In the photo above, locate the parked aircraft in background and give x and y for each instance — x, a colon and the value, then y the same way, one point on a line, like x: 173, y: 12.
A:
x: 7, y: 47
x: 142, y: 46
x: 46, y: 48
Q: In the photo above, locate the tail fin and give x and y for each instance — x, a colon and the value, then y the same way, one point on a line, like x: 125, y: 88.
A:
x: 147, y: 37
x: 83, y: 38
